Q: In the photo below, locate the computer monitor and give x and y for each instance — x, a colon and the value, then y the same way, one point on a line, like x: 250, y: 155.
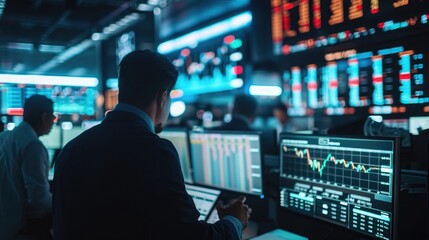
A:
x: 228, y: 160
x: 204, y: 199
x: 179, y: 138
x: 349, y: 181
x: 53, y: 139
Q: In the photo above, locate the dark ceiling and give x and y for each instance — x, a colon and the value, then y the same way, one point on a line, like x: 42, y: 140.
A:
x: 36, y: 32
x: 56, y: 22
x: 27, y: 26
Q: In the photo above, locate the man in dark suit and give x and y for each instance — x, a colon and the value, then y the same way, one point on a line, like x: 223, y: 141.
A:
x: 243, y: 114
x: 119, y: 180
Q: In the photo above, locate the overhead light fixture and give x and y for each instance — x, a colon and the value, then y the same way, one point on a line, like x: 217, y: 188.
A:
x: 108, y: 31
x: 64, y: 56
x: 20, y: 46
x: 157, y: 11
x: 97, y: 36
x: 49, y: 80
x: 145, y: 7
x: 211, y: 31
x: 259, y: 90
x: 116, y: 27
x: 51, y: 48
x: 153, y: 2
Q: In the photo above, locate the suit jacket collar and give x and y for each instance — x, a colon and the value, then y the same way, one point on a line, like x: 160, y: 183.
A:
x: 137, y: 111
x: 124, y: 117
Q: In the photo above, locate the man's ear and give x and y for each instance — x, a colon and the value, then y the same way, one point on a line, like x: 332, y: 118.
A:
x: 162, y: 98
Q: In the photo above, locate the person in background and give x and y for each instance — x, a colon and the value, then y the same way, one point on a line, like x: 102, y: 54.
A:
x: 284, y: 124
x: 243, y: 114
x: 1, y: 126
x: 119, y: 180
x: 25, y: 199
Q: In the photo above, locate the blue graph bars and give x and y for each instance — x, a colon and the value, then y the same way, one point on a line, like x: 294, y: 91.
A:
x: 377, y: 80
x: 354, y: 99
x: 296, y: 88
x: 312, y: 85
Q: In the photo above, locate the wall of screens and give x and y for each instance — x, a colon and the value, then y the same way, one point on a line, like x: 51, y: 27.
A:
x: 302, y: 25
x: 352, y: 57
x: 382, y: 79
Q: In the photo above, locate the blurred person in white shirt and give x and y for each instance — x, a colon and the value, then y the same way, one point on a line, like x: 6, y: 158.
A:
x: 25, y: 198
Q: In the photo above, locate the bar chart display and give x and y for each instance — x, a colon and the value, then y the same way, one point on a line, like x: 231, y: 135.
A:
x: 227, y: 160
x: 345, y: 181
x: 303, y: 25
x: 179, y: 138
x: 67, y: 99
x: 388, y: 80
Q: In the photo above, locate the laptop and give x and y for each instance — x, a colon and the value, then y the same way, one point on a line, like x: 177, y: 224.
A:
x: 205, y: 199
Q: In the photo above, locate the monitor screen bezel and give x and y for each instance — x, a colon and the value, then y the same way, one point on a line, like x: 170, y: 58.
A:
x: 188, y: 147
x: 396, y: 178
x: 256, y: 133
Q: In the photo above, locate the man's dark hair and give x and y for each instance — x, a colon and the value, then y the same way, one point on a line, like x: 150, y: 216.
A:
x: 34, y: 108
x: 245, y: 105
x: 142, y: 74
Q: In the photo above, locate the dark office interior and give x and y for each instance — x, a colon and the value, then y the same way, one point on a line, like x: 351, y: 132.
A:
x: 352, y: 76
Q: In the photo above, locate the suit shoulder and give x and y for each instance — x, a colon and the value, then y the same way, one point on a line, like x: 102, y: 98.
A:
x: 165, y: 144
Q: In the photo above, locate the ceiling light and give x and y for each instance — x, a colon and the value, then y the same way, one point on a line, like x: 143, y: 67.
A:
x: 259, y: 90
x: 157, y: 11
x: 49, y: 80
x: 20, y: 46
x: 144, y: 7
x: 153, y: 2
x: 96, y: 36
x: 51, y: 48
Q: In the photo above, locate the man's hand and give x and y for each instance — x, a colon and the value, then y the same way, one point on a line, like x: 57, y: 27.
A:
x: 236, y: 208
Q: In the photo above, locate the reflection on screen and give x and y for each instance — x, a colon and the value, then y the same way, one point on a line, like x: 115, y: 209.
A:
x: 227, y: 160
x: 345, y: 181
x: 179, y: 138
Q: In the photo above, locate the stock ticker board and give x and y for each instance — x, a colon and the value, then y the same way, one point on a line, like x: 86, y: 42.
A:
x: 349, y: 57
